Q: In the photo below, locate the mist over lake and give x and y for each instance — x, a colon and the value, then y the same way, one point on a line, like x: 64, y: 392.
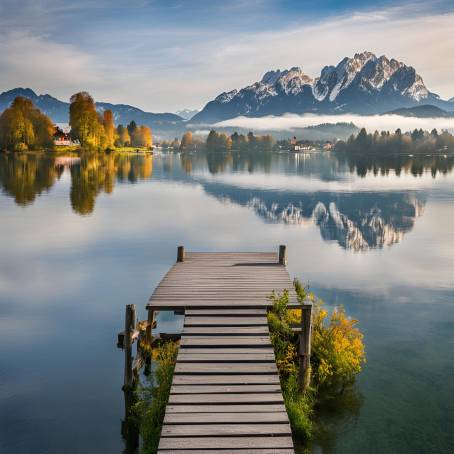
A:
x: 292, y: 122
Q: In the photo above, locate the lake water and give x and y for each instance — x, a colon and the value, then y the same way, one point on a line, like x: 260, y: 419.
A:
x: 79, y: 239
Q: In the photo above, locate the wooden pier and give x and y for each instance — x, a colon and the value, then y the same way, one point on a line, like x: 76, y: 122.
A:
x: 225, y: 395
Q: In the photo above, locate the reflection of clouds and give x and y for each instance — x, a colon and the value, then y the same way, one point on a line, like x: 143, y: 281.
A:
x: 349, y: 182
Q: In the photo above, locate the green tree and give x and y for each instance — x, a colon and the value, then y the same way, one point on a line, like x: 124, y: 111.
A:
x: 132, y: 127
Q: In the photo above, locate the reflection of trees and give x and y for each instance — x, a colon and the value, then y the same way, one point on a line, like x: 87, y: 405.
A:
x: 383, y: 164
x: 26, y: 175
x: 97, y: 173
x: 239, y: 161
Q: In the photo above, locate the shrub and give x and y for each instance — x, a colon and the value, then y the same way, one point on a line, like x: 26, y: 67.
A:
x: 337, y: 356
x: 152, y: 399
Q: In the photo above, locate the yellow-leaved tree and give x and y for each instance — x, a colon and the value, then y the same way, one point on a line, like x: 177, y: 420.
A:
x: 23, y: 126
x: 109, y: 128
x: 86, y: 124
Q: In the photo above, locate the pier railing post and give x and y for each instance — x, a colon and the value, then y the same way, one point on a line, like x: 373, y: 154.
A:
x: 305, y: 346
x: 180, y: 254
x: 130, y: 326
x: 150, y: 325
x: 282, y: 254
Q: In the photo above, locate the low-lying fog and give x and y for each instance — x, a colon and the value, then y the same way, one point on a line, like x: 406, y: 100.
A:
x: 289, y: 122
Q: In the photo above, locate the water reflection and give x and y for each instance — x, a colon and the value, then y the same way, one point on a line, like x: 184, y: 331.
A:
x: 23, y: 176
x: 356, y: 220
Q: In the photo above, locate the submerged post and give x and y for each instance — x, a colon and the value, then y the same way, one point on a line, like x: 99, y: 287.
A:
x: 305, y: 346
x: 282, y: 254
x: 130, y: 326
x: 180, y: 254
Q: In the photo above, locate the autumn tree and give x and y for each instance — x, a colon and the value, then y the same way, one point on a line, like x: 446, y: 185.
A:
x: 186, y: 141
x: 86, y: 124
x: 109, y: 128
x: 123, y: 138
x: 23, y: 127
x: 142, y: 137
x: 218, y: 141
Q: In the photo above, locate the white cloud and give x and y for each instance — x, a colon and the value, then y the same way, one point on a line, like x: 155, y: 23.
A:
x: 166, y: 67
x: 46, y: 66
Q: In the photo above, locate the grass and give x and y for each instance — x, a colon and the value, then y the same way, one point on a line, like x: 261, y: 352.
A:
x: 299, y: 405
x: 152, y: 398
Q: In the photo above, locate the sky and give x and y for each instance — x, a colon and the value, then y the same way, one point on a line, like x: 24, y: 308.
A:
x: 166, y: 55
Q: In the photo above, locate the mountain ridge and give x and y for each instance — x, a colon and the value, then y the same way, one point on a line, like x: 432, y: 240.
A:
x: 423, y: 111
x: 58, y: 110
x: 362, y: 84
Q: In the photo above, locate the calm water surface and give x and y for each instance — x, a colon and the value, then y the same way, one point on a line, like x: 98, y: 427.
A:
x: 81, y: 238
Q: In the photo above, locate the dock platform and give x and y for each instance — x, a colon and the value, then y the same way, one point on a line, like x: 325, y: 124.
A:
x: 226, y: 395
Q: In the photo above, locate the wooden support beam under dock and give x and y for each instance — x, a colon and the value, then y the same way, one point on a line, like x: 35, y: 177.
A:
x: 226, y: 394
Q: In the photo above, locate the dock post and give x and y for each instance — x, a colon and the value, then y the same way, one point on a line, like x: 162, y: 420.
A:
x: 130, y: 326
x: 150, y: 325
x: 304, y: 376
x: 180, y: 254
x: 282, y: 254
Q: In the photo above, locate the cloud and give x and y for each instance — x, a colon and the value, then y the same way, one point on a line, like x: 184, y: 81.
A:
x: 34, y: 61
x: 150, y: 55
x: 290, y: 122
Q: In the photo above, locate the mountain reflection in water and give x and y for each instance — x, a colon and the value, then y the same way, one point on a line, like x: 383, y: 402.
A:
x: 356, y: 220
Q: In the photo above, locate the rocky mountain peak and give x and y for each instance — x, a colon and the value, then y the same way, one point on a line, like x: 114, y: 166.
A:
x: 364, y: 84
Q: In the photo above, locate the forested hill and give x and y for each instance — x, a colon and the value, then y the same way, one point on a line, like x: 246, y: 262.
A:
x: 58, y: 110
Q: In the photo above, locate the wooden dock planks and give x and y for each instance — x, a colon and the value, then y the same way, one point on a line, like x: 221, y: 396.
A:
x: 225, y: 395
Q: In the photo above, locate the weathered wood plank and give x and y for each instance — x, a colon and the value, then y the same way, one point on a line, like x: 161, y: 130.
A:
x: 223, y: 341
x: 225, y: 330
x: 207, y: 351
x: 225, y: 368
x: 225, y: 442
x: 217, y: 320
x: 232, y: 398
x: 228, y: 451
x: 224, y: 358
x: 226, y: 408
x: 210, y: 389
x: 221, y: 430
x: 214, y: 418
x: 220, y: 379
x: 222, y: 312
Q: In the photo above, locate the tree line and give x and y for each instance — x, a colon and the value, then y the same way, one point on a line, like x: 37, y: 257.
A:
x: 221, y: 142
x: 95, y: 131
x: 417, y: 141
x: 24, y: 127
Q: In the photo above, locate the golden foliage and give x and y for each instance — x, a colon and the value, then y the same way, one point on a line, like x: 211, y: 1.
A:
x: 338, y: 347
x: 23, y: 127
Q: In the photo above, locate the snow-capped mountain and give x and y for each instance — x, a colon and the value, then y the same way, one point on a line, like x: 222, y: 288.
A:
x: 187, y: 114
x: 364, y: 84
